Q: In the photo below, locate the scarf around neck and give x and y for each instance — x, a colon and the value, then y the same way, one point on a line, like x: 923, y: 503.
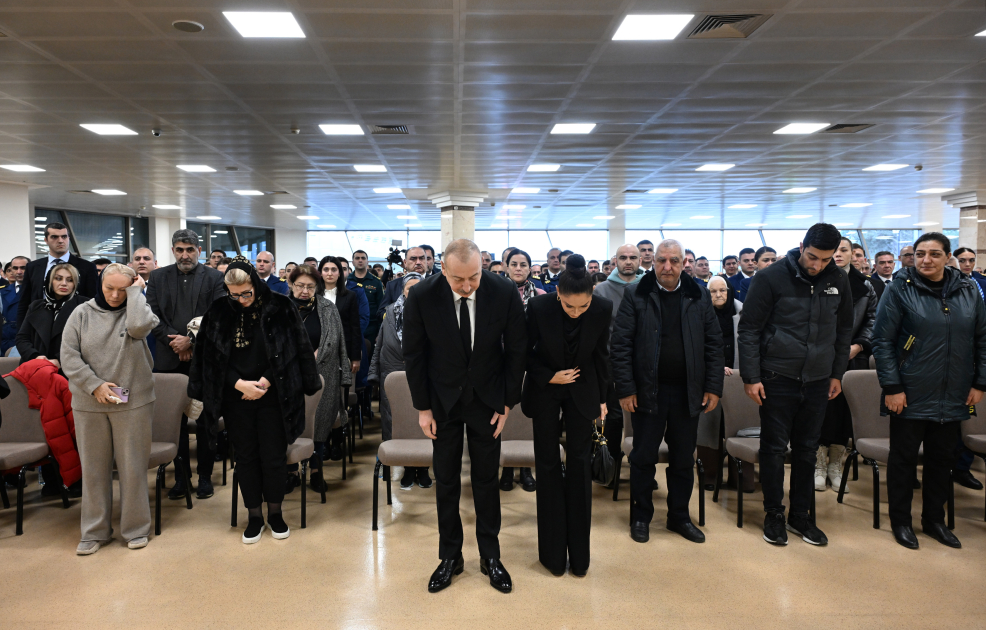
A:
x: 399, y: 305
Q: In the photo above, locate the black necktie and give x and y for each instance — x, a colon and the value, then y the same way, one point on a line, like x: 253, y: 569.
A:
x: 465, y: 331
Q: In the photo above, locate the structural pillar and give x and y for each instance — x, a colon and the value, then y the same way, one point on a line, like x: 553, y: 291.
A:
x: 161, y: 229
x: 458, y: 210
x: 972, y: 221
x: 617, y: 233
x: 17, y: 235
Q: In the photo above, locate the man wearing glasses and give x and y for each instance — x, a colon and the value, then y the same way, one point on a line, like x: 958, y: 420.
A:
x: 57, y: 239
x: 906, y: 259
x: 10, y: 299
x: 177, y: 294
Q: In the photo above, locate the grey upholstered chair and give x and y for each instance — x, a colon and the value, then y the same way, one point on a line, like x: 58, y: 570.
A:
x: 974, y: 436
x: 871, y: 433
x: 517, y: 441
x: 193, y: 427
x: 8, y: 364
x: 299, y: 452
x: 22, y: 444
x: 409, y: 446
x: 171, y: 393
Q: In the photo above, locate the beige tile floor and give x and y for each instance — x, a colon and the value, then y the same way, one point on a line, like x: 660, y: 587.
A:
x: 339, y: 574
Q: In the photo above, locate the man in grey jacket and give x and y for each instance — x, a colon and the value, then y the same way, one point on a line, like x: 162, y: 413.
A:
x: 627, y: 273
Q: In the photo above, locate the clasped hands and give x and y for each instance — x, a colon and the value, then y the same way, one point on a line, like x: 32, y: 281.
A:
x: 253, y: 390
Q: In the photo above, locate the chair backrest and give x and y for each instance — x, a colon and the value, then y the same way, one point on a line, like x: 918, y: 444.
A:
x: 738, y: 411
x: 20, y: 422
x: 518, y: 426
x: 872, y: 362
x: 8, y: 364
x: 311, y: 404
x: 976, y: 425
x: 862, y: 390
x: 405, y: 416
x: 171, y: 393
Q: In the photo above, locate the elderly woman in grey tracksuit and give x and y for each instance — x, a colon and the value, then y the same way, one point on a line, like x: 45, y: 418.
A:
x: 388, y: 356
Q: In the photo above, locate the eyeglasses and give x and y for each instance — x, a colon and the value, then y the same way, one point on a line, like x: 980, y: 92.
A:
x: 246, y: 295
x: 304, y: 287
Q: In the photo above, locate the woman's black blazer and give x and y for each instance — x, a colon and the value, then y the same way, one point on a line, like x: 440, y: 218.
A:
x: 40, y: 334
x: 546, y: 354
x: 348, y: 306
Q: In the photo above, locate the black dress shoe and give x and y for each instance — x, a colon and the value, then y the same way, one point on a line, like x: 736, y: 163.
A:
x: 507, y: 480
x: 580, y: 572
x: 442, y: 577
x: 527, y: 481
x: 205, y: 489
x: 904, y: 535
x: 640, y: 531
x: 965, y: 479
x: 293, y: 481
x: 499, y: 578
x: 688, y: 531
x: 178, y: 491
x: 941, y: 533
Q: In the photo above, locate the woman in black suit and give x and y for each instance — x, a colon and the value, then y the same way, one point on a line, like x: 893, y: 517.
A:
x: 566, y: 385
x: 347, y: 304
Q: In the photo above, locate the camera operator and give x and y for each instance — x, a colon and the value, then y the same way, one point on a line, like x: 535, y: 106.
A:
x: 416, y: 260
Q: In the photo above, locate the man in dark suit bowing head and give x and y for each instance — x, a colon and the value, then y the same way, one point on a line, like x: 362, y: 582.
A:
x: 465, y: 351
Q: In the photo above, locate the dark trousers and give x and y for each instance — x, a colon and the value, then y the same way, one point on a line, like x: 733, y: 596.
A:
x: 674, y: 425
x: 205, y: 457
x: 906, y: 437
x: 473, y: 418
x: 792, y: 412
x: 564, y: 501
x: 613, y: 431
x: 837, y: 426
x: 260, y: 443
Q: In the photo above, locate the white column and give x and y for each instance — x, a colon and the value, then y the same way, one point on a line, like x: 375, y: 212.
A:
x: 617, y: 234
x: 458, y: 222
x: 972, y: 233
x: 290, y: 245
x: 17, y: 235
x: 161, y: 229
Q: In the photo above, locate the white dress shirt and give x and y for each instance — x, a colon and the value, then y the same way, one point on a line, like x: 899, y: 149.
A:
x: 330, y: 294
x: 52, y: 259
x: 471, y: 305
x: 885, y: 281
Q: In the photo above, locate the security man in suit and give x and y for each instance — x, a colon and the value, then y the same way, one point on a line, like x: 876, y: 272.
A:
x: 57, y: 239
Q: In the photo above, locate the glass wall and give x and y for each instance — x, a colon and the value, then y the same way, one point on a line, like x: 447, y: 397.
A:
x: 234, y: 240
x: 887, y: 240
x: 93, y: 236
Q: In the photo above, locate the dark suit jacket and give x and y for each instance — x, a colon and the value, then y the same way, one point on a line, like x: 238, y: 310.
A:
x: 546, y: 355
x: 348, y: 306
x: 162, y: 296
x: 878, y: 285
x: 435, y: 360
x: 392, y: 291
x: 33, y: 287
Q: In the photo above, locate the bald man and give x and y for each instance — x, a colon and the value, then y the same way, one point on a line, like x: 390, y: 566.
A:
x: 265, y: 269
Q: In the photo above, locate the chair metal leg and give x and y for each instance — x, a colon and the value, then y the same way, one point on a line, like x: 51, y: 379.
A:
x: 616, y: 477
x: 62, y: 490
x: 739, y: 493
x: 701, y: 492
x: 853, y: 457
x: 236, y: 490
x: 876, y: 493
x: 21, y: 481
x: 951, y: 503
x: 180, y: 469
x: 159, y: 483
x: 347, y: 451
x: 855, y: 466
x: 3, y: 494
x: 376, y: 492
x: 719, y: 477
x: 225, y: 456
x: 304, y: 494
x: 386, y: 476
x: 359, y: 413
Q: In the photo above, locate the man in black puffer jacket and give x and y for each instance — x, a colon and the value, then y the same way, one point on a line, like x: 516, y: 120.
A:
x: 668, y: 368
x: 793, y: 349
x: 929, y: 341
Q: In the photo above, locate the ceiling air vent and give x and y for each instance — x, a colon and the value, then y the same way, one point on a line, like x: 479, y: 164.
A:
x: 850, y: 128
x: 726, y: 26
x: 399, y: 130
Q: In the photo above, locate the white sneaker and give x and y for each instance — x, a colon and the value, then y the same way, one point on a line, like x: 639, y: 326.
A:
x: 138, y: 543
x: 87, y: 548
x: 835, y: 467
x: 820, y: 460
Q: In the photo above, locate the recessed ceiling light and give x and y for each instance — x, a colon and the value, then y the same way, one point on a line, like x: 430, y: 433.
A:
x: 341, y: 130
x: 370, y: 168
x: 525, y: 191
x: 925, y: 223
x: 308, y: 217
x: 715, y: 167
x: 651, y: 27
x: 670, y: 224
x: 798, y: 216
x: 283, y: 206
x: 386, y: 191
x: 885, y: 167
x: 22, y: 168
x: 196, y: 168
x: 982, y: 34
x: 801, y: 128
x: 628, y: 206
x: 108, y: 191
x: 934, y: 191
x: 407, y: 217
x: 585, y: 225
x: 398, y: 206
x: 701, y: 217
x: 209, y: 217
x: 896, y: 216
x: 220, y: 231
x: 795, y: 191
x: 662, y: 191
x: 573, y: 128
x: 110, y: 130
x: 325, y: 225
x: 514, y: 206
x: 249, y: 193
x: 743, y: 206
x: 166, y: 206
x: 755, y: 224
x: 40, y: 219
x: 605, y: 217
x: 543, y: 168
x: 855, y: 205
x: 264, y: 23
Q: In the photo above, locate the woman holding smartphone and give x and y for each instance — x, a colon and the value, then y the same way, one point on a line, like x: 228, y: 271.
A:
x: 107, y: 362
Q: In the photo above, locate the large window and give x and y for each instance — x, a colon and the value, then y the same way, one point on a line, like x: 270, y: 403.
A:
x: 234, y: 240
x: 887, y: 240
x: 93, y: 236
x: 782, y: 240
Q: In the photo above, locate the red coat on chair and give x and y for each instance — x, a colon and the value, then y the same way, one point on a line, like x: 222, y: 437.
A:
x: 48, y: 392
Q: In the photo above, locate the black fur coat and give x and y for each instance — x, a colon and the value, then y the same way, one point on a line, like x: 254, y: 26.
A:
x: 288, y: 350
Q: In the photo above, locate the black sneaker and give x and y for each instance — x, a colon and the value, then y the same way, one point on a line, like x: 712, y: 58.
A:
x: 317, y: 482
x: 773, y: 528
x: 802, y: 525
x: 255, y: 528
x: 178, y: 491
x: 407, y: 481
x: 278, y: 528
x: 205, y: 489
x: 423, y: 479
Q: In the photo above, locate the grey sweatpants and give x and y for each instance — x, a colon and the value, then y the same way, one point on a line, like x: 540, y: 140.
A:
x: 123, y: 437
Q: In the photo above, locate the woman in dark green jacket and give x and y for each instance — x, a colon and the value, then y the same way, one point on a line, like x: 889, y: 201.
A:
x: 929, y: 341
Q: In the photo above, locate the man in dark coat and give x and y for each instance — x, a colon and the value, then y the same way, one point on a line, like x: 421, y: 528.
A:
x: 57, y: 239
x: 465, y: 349
x: 668, y: 368
x: 416, y: 260
x: 177, y: 294
x: 794, y: 340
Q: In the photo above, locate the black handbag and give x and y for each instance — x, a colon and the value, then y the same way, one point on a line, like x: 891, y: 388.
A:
x: 603, y: 466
